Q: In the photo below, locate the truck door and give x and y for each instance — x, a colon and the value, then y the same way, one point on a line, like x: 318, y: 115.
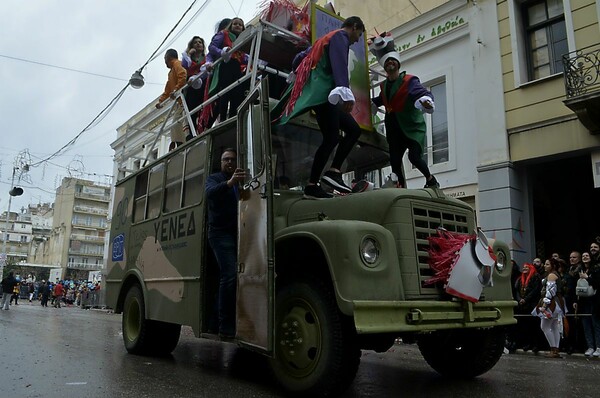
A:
x: 255, y: 291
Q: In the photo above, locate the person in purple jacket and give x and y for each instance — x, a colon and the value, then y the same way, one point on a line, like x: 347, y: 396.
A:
x: 405, y: 101
x: 322, y: 84
x: 231, y: 69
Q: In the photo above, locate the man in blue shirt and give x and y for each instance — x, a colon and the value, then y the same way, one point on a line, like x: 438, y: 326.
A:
x: 222, y: 193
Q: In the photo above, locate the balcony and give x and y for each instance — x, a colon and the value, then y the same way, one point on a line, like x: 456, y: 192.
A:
x: 86, y: 266
x: 90, y: 210
x: 83, y: 224
x: 582, y: 85
x: 101, y: 198
x: 87, y: 238
x: 86, y: 252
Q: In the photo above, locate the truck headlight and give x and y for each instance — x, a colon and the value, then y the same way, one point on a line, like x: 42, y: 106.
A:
x: 500, y: 261
x: 369, y: 250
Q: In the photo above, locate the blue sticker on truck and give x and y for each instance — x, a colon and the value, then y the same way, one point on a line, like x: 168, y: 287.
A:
x: 118, y: 247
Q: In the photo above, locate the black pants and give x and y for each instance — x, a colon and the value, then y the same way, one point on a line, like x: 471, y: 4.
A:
x: 193, y: 98
x: 228, y: 73
x: 331, y: 119
x: 398, y: 143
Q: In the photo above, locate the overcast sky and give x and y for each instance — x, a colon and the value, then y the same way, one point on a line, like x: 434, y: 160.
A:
x: 42, y: 108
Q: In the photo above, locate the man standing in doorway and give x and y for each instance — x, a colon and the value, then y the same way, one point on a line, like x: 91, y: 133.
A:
x: 223, y: 193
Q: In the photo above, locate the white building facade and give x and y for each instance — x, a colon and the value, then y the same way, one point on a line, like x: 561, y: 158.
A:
x: 454, y: 50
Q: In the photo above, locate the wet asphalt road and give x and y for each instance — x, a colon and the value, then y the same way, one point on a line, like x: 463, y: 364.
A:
x: 68, y: 352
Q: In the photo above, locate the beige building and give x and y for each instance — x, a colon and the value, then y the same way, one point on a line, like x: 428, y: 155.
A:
x: 385, y: 15
x: 553, y: 120
x: 79, y: 226
x: 18, y: 235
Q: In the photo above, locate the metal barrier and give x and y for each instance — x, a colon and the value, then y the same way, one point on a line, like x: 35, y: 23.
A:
x: 92, y: 299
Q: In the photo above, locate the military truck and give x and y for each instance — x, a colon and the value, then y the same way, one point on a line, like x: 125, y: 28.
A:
x: 318, y: 280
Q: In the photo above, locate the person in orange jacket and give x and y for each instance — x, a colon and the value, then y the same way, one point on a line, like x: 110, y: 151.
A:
x: 176, y: 80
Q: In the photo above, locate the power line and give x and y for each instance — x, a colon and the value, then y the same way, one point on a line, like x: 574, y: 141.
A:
x: 104, y: 112
x: 67, y: 69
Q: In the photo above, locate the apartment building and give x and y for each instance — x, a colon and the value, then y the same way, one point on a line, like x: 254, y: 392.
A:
x: 79, y: 226
x: 551, y: 79
x: 18, y: 235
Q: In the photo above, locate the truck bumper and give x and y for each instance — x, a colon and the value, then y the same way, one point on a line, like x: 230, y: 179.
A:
x: 372, y: 317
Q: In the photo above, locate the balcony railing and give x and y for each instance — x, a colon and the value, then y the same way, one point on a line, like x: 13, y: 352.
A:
x: 582, y: 85
x: 91, y: 210
x: 86, y: 266
x: 84, y: 252
x: 88, y: 238
x: 582, y: 71
x: 103, y: 198
x: 85, y: 224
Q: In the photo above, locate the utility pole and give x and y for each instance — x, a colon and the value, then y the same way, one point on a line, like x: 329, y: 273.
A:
x: 22, y: 165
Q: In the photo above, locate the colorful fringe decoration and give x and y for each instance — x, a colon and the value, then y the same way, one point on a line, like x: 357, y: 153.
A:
x: 206, y: 114
x: 289, y: 16
x: 306, y: 66
x: 444, y: 254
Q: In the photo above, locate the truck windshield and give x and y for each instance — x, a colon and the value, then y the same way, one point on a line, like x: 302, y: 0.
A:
x: 294, y: 147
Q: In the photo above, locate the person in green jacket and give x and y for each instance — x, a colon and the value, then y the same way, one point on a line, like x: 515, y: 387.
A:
x: 405, y: 100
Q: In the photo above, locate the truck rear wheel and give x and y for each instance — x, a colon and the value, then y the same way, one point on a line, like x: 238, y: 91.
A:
x: 316, y: 351
x: 143, y: 336
x: 463, y: 353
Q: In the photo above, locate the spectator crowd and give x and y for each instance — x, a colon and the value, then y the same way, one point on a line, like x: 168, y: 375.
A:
x: 66, y: 292
x: 558, y: 308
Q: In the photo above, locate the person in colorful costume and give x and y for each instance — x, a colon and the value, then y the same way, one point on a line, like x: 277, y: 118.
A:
x: 551, y: 307
x: 405, y: 101
x: 176, y: 80
x: 225, y: 73
x: 322, y: 84
x: 193, y: 60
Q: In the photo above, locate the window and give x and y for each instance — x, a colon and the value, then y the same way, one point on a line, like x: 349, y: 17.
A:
x: 141, y: 190
x: 437, y: 150
x: 23, y: 239
x: 193, y: 185
x: 546, y: 37
x: 155, y: 182
x: 173, y: 183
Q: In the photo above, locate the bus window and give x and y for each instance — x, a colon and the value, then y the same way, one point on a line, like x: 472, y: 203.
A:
x: 155, y: 190
x: 193, y: 184
x: 173, y: 183
x: 139, y: 200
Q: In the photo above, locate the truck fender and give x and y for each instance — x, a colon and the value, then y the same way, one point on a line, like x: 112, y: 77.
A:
x: 351, y: 276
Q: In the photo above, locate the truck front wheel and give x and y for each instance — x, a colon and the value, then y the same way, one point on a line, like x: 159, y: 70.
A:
x: 462, y: 353
x: 316, y: 351
x: 144, y: 336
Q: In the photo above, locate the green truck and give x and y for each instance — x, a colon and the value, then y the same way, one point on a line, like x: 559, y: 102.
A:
x: 318, y: 280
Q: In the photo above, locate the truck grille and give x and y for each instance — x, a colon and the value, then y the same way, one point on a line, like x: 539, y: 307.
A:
x: 426, y: 222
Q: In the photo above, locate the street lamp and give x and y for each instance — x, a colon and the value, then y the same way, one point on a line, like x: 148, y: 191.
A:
x: 137, y: 80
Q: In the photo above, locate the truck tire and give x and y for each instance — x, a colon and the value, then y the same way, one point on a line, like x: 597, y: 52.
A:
x: 463, y: 353
x: 143, y: 336
x: 316, y: 350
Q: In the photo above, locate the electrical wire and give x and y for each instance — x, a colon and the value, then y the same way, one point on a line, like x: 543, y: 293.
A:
x: 178, y: 34
x: 116, y: 99
x: 68, y: 69
x: 157, y: 51
x: 93, y: 123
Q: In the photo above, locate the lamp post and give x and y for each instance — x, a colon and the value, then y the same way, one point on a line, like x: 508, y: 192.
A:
x: 4, y: 258
x: 14, y: 191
